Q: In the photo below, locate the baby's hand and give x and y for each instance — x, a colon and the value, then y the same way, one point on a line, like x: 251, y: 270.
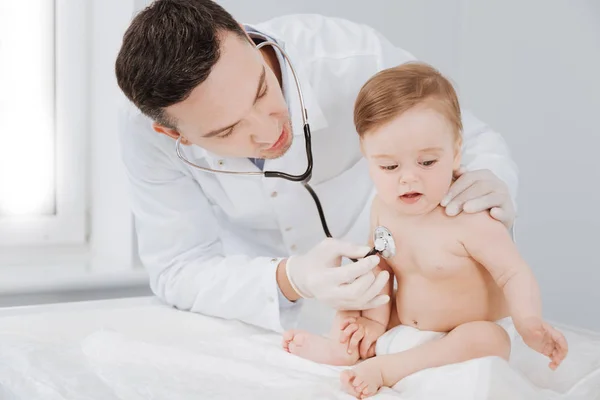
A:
x: 544, y: 339
x: 355, y: 330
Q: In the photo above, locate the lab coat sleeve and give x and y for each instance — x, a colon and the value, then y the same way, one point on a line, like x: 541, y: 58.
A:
x: 483, y: 148
x: 179, y: 245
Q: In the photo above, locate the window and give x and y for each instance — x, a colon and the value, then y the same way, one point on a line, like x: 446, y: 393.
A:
x: 42, y: 130
x: 65, y: 220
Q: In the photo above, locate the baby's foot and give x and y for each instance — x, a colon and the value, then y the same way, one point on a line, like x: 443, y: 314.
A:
x: 318, y: 348
x: 364, y: 380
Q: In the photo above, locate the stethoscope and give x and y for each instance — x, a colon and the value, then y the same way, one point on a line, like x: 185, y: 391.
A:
x: 382, y: 237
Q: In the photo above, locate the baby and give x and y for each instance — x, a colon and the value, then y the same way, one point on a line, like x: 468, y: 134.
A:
x: 461, y: 280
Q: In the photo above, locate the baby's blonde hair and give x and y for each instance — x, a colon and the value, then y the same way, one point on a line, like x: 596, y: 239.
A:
x: 395, y: 90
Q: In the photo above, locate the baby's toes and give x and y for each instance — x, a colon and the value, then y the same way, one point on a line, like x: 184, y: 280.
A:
x: 347, y: 378
x: 292, y: 340
x: 288, y: 336
x: 369, y: 390
x: 297, y: 341
x: 362, y: 389
x: 358, y: 383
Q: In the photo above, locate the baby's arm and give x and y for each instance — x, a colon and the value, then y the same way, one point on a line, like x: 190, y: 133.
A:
x: 382, y: 313
x: 361, y: 329
x: 490, y: 244
x: 374, y: 321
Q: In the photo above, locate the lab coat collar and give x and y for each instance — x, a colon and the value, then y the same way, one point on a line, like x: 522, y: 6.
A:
x: 316, y: 118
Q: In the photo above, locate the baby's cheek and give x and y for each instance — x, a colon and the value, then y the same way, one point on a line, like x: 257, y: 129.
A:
x: 387, y: 188
x: 440, y: 184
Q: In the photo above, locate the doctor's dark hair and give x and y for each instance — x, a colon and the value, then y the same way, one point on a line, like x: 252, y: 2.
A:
x: 170, y: 48
x: 395, y: 90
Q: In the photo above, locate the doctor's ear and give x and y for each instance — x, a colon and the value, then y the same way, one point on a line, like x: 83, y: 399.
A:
x: 170, y: 132
x: 247, y: 35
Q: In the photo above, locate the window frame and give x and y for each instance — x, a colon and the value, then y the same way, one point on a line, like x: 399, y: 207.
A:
x: 91, y: 243
x: 67, y: 226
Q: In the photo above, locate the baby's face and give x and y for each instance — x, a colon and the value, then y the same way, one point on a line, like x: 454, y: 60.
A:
x: 412, y: 160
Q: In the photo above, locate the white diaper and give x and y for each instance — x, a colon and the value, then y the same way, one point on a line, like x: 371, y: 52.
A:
x: 402, y: 337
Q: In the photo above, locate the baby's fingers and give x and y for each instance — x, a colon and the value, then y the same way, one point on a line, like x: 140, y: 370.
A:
x: 561, y: 343
x: 371, y: 352
x: 555, y: 359
x: 356, y: 338
x: 345, y: 322
x: 365, y: 345
x: 559, y: 348
x: 558, y: 340
x: 347, y: 332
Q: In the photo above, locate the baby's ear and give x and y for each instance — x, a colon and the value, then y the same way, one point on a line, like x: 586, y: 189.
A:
x: 456, y: 164
x: 362, y: 146
x: 457, y: 155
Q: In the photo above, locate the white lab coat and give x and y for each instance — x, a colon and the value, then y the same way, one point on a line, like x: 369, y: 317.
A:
x: 211, y: 243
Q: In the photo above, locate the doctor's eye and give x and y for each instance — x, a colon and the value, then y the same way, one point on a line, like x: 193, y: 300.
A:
x: 264, y: 91
x: 226, y: 133
x: 388, y: 167
x: 428, y: 163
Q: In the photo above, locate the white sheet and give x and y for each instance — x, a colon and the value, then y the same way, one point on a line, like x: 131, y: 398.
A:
x: 154, y: 352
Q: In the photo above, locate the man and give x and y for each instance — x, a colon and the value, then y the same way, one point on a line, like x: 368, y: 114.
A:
x: 220, y: 244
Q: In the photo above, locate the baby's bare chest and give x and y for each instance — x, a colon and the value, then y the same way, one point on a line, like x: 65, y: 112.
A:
x: 433, y: 251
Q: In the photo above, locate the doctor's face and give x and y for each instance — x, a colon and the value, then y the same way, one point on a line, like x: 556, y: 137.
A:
x: 239, y: 110
x: 412, y: 160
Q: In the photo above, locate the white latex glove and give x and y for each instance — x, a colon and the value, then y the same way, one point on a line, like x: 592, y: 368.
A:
x: 318, y: 274
x: 476, y: 191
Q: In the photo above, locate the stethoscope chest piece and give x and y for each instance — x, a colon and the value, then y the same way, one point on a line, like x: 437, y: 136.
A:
x: 384, y: 242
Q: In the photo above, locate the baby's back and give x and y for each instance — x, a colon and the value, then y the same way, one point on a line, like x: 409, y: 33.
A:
x: 439, y: 285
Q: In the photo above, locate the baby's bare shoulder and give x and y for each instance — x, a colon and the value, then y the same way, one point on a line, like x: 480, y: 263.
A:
x: 481, y: 223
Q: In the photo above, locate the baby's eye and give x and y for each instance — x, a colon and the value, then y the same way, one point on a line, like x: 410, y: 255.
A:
x: 428, y: 163
x: 389, y: 167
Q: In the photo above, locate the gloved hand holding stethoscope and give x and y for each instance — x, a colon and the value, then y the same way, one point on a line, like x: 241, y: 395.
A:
x: 317, y: 274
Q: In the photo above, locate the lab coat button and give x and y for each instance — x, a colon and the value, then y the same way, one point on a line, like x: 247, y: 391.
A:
x: 289, y: 228
x: 274, y: 194
x: 293, y: 247
x: 221, y: 162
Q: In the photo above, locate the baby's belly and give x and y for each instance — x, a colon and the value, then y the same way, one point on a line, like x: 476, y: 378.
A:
x: 442, y: 304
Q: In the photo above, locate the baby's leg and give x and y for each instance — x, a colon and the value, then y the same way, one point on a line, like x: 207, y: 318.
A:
x: 468, y: 341
x: 324, y: 350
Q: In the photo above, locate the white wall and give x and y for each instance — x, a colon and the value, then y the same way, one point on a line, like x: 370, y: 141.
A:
x: 111, y: 223
x: 411, y: 24
x: 531, y: 69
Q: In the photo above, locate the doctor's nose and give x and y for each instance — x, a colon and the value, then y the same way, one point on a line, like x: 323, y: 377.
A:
x: 264, y: 129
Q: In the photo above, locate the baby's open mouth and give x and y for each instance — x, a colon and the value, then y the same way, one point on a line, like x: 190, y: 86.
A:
x: 411, y: 197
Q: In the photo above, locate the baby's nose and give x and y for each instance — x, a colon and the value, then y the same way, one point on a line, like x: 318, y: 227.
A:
x: 408, y: 176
